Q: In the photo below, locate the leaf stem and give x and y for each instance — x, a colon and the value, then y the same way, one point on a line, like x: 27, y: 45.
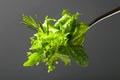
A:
x: 104, y: 16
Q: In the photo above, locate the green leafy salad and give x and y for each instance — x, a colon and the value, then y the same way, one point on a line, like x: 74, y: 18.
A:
x: 54, y: 40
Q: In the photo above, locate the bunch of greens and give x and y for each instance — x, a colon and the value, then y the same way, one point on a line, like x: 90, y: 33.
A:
x: 57, y: 39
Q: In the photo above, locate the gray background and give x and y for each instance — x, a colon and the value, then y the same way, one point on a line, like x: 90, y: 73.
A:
x: 102, y: 43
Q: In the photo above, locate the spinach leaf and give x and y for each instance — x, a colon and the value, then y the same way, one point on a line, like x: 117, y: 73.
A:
x: 78, y: 54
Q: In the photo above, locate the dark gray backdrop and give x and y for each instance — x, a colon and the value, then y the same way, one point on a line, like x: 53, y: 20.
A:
x: 102, y: 43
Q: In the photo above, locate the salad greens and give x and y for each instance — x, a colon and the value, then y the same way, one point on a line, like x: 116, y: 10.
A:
x: 55, y: 40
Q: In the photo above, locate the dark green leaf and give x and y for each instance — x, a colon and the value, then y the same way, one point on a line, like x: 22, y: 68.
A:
x: 79, y: 41
x: 78, y: 36
x: 78, y: 54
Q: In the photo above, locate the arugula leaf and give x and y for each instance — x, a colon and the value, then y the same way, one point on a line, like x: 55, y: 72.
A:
x: 62, y: 40
x: 29, y: 21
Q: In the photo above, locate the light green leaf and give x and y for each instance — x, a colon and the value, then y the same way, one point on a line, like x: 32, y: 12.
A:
x: 64, y: 58
x: 32, y: 59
